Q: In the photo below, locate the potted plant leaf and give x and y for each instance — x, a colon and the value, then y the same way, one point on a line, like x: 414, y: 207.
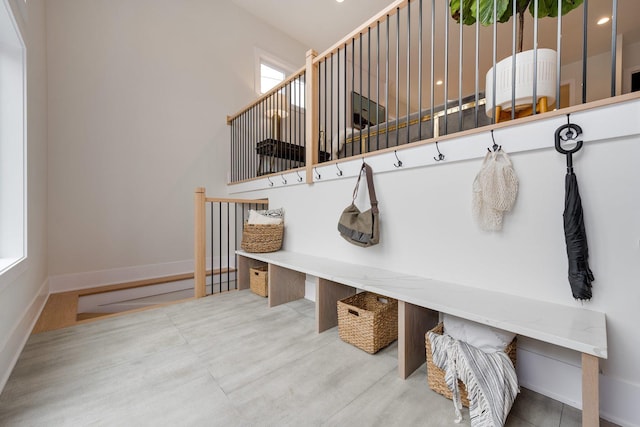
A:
x: 471, y: 11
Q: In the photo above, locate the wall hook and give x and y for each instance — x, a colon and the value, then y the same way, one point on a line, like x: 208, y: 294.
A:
x: 339, y: 173
x: 399, y: 164
x: 284, y: 180
x: 495, y: 146
x: 440, y: 155
x: 270, y: 182
x: 299, y: 177
x: 318, y: 176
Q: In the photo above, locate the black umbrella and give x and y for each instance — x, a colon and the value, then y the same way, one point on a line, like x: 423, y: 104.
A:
x: 580, y: 275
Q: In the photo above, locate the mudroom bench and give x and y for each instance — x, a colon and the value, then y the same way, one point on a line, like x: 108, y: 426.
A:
x: 420, y: 300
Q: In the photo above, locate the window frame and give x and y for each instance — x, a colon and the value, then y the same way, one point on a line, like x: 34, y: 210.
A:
x: 13, y: 257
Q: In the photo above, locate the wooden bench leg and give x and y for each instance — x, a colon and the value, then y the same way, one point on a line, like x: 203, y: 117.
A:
x: 413, y: 324
x: 327, y: 295
x: 284, y: 285
x: 590, y: 392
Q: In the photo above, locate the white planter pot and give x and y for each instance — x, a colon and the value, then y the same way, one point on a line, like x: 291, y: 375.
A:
x: 546, y: 80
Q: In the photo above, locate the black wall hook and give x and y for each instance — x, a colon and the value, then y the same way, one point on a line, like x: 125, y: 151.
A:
x: 495, y: 146
x: 339, y: 173
x: 440, y: 155
x: 318, y: 176
x: 270, y: 182
x: 299, y: 177
x: 399, y: 164
x: 284, y: 180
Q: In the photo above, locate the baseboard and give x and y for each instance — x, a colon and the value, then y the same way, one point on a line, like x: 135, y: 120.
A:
x: 562, y: 381
x: 16, y: 340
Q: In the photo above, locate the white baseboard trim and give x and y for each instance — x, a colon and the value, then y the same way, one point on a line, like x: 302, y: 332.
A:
x: 562, y: 381
x: 15, y: 341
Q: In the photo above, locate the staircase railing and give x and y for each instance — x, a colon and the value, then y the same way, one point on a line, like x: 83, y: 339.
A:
x: 226, y: 218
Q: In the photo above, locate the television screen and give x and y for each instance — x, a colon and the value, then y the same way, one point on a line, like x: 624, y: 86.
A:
x: 366, y: 112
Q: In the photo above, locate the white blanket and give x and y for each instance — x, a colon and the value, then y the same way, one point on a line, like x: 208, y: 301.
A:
x: 490, y: 379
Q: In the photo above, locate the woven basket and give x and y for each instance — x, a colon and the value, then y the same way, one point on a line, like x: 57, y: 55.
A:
x: 262, y: 237
x: 259, y: 281
x: 368, y: 321
x: 435, y: 375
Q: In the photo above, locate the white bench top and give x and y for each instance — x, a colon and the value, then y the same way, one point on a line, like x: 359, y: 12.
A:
x: 571, y: 327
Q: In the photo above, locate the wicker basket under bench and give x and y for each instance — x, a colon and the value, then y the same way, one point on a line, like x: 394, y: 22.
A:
x: 435, y: 375
x: 369, y: 321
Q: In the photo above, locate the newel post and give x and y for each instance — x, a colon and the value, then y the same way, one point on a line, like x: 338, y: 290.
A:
x: 311, y: 107
x: 200, y: 272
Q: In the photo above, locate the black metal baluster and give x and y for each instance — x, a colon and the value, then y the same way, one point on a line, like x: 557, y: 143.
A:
x: 420, y: 70
x: 558, y: 51
x: 446, y: 68
x: 353, y: 88
x: 211, y: 205
x: 495, y: 39
x: 228, y: 251
x: 397, y: 75
x: 378, y: 84
x: 219, y: 250
x: 362, y: 148
x: 614, y: 42
x: 432, y: 60
x: 331, y: 121
x: 460, y: 51
x: 409, y: 73
x: 585, y: 21
x: 369, y: 88
x: 535, y: 59
x: 477, y: 75
x: 386, y: 90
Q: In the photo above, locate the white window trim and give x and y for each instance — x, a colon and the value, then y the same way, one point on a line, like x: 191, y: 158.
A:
x: 262, y: 56
x: 11, y: 267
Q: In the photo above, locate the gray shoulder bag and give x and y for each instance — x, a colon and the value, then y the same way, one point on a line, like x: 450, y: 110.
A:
x: 361, y: 228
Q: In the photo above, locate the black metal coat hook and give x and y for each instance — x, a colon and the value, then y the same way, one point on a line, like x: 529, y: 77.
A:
x: 399, y: 164
x: 318, y: 176
x: 495, y: 146
x: 270, y: 182
x: 339, y: 173
x: 284, y: 180
x: 299, y: 177
x: 440, y: 155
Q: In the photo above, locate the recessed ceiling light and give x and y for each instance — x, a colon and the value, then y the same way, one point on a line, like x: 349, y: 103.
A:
x: 603, y: 20
x: 339, y: 1
x: 439, y: 82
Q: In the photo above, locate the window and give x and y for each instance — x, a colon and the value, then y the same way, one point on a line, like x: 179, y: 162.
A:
x: 269, y: 77
x: 270, y: 71
x: 12, y: 142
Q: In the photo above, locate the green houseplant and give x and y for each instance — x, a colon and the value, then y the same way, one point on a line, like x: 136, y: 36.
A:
x: 484, y: 8
x: 470, y: 11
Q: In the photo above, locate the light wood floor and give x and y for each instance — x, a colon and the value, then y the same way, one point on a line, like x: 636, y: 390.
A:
x: 227, y: 360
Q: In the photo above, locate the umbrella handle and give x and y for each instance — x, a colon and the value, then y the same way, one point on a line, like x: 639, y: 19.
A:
x: 571, y: 133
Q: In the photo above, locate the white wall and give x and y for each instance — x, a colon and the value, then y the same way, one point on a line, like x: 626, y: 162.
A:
x: 427, y: 230
x: 24, y: 291
x: 138, y: 95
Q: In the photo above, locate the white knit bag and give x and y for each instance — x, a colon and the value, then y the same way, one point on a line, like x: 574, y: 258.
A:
x: 494, y: 190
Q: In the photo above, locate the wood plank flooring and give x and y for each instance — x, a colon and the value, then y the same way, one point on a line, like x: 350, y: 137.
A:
x: 227, y: 360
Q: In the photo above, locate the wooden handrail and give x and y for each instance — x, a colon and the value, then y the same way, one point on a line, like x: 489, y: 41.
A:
x: 380, y: 16
x: 251, y: 201
x: 267, y: 94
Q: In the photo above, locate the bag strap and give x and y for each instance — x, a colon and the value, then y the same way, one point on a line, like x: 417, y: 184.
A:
x: 372, y: 191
